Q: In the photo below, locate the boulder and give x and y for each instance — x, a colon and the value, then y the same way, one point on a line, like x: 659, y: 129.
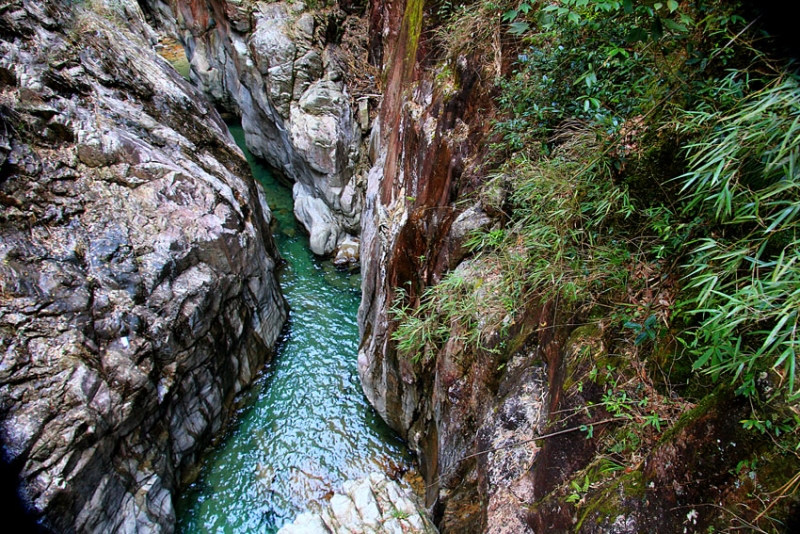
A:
x: 348, y: 252
x: 322, y: 130
x: 316, y: 217
x: 374, y: 504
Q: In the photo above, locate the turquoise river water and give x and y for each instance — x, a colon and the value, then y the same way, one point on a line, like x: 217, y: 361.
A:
x: 306, y: 426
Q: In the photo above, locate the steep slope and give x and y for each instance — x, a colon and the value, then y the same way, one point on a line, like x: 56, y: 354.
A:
x: 544, y: 367
x: 137, y: 281
x: 279, y: 67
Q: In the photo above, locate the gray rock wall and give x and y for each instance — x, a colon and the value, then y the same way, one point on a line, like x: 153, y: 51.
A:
x: 271, y: 64
x: 137, y: 287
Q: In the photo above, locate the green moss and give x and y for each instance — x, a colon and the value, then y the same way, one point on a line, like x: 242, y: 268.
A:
x: 703, y: 407
x: 582, y: 334
x: 606, y: 504
x: 585, y: 349
x: 407, y: 44
x: 412, y: 28
x: 518, y: 340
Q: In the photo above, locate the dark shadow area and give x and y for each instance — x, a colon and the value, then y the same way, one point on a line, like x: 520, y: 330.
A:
x: 775, y: 18
x: 15, y: 512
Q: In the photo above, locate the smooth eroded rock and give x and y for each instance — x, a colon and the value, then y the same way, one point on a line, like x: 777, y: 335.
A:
x: 137, y: 287
x: 374, y: 504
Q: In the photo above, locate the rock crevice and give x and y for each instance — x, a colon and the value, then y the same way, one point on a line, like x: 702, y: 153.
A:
x: 276, y: 67
x: 137, y: 287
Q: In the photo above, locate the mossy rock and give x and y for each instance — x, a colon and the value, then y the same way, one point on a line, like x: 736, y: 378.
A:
x: 583, y: 347
x: 612, y: 501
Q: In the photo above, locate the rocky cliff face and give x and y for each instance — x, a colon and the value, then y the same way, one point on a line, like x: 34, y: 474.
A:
x: 427, y: 152
x: 276, y: 65
x: 506, y: 439
x: 137, y: 288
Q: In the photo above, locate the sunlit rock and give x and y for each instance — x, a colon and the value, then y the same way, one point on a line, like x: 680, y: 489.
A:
x: 137, y: 287
x: 374, y: 504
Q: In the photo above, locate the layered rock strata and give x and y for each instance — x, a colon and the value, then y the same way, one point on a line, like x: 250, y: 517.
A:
x: 137, y: 287
x: 464, y: 402
x: 276, y: 66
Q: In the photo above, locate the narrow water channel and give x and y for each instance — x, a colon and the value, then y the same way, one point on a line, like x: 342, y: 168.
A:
x: 306, y: 427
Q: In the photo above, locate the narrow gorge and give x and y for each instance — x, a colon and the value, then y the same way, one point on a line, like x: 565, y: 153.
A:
x: 308, y: 428
x: 496, y: 266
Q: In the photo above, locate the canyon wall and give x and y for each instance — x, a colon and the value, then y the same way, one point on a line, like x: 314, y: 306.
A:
x: 514, y: 431
x: 137, y: 284
x: 280, y: 68
x: 428, y: 145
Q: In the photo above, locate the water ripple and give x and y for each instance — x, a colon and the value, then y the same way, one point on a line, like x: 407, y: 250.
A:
x: 308, y: 428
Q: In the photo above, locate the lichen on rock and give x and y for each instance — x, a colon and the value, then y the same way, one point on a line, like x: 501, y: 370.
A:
x: 137, y: 286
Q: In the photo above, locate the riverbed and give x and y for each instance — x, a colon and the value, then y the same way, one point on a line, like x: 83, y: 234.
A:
x: 305, y: 426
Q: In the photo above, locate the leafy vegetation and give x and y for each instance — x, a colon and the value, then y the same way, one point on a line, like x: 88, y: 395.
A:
x: 604, y: 96
x: 744, y: 277
x: 468, y: 306
x: 649, y: 152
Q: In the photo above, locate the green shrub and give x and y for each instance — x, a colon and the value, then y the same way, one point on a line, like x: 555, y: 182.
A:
x: 744, y: 185
x: 562, y: 242
x: 591, y: 127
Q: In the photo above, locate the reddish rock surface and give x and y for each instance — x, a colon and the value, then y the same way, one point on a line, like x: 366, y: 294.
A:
x: 463, y: 410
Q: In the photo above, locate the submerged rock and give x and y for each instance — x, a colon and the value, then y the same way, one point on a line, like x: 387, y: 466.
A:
x: 137, y: 287
x: 348, y: 252
x: 371, y: 505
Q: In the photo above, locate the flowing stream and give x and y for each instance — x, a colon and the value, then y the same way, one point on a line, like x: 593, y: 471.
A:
x: 306, y: 426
